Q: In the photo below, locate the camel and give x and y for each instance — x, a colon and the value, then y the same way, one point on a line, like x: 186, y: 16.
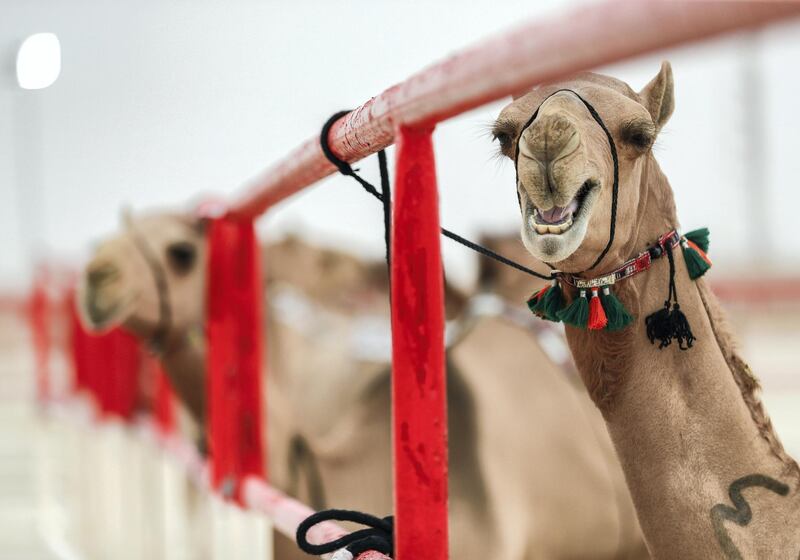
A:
x: 707, y: 472
x: 329, y: 407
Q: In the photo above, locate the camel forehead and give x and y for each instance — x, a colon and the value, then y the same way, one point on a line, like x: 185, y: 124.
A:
x: 607, y: 94
x: 167, y: 226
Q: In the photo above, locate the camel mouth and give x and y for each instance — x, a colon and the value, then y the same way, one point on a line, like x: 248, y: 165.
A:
x: 101, y: 314
x: 553, y: 235
x: 559, y: 219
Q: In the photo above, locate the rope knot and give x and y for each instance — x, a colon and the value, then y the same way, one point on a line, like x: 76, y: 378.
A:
x: 379, y: 537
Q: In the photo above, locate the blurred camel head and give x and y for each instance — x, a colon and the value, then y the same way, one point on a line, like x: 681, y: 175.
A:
x: 565, y: 167
x: 121, y: 285
x: 155, y: 260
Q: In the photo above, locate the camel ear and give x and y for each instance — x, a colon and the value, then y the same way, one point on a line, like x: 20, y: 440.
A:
x: 200, y: 224
x: 126, y: 216
x: 658, y: 96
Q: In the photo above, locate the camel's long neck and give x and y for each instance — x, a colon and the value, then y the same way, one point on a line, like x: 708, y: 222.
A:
x: 678, y: 419
x: 183, y: 359
x: 185, y: 365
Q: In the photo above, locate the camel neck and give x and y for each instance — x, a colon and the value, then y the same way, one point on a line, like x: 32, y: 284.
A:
x: 183, y: 359
x: 686, y: 424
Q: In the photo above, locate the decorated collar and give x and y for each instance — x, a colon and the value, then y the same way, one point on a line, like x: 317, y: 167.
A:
x: 596, y: 307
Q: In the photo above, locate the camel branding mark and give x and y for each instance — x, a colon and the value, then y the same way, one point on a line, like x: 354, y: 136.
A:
x: 741, y: 514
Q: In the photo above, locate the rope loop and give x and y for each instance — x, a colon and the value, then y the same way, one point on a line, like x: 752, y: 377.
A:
x: 385, y: 197
x: 379, y: 537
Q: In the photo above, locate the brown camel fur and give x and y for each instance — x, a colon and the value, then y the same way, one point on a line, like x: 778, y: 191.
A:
x: 328, y: 413
x: 707, y: 473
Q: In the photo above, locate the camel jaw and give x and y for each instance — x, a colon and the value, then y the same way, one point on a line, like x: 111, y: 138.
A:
x: 555, y: 234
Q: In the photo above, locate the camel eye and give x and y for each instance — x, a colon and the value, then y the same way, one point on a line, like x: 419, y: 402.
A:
x: 503, y: 138
x: 639, y: 135
x: 181, y: 256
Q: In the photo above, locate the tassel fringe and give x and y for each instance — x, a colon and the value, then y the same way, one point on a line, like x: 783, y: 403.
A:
x: 618, y: 316
x: 547, y: 302
x: 577, y: 313
x: 699, y: 237
x: 668, y: 324
x: 697, y: 262
x: 535, y: 299
x: 597, y: 315
x: 553, y: 302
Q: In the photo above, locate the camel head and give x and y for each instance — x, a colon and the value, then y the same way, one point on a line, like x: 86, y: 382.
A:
x: 565, y: 170
x: 155, y: 258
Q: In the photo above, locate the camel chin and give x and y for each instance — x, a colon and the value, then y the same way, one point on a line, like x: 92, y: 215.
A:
x: 556, y: 242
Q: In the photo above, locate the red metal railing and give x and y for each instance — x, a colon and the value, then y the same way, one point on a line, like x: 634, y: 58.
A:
x: 538, y: 52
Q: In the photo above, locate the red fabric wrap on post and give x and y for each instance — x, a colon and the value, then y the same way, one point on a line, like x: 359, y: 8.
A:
x: 113, y: 363
x: 77, y: 343
x: 418, y: 376
x: 40, y: 326
x: 164, y: 402
x: 234, y: 354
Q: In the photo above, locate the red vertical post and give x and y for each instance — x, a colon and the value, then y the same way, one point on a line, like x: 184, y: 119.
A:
x: 419, y: 402
x: 164, y: 405
x: 40, y: 325
x: 233, y: 311
x: 78, y: 345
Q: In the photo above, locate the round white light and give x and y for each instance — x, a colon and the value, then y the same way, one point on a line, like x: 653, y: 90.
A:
x: 39, y: 61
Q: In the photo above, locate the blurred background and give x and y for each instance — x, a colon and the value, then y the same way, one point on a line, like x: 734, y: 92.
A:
x: 160, y: 104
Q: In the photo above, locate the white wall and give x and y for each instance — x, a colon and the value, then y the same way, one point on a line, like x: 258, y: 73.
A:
x: 161, y: 101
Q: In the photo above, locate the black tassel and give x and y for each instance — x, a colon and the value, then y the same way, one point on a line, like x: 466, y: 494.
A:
x: 669, y: 323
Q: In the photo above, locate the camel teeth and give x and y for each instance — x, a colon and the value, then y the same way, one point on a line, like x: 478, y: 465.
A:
x: 556, y: 229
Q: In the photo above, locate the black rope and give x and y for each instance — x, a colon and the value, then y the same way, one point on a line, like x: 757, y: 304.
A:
x: 386, y: 191
x: 612, y: 146
x: 346, y: 169
x: 669, y: 323
x: 379, y: 536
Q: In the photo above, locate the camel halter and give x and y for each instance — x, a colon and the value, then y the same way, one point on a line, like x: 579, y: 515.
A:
x: 158, y: 339
x: 602, y: 310
x: 612, y: 146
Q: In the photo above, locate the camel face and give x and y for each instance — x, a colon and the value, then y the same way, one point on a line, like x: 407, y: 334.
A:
x: 565, y: 167
x: 120, y: 286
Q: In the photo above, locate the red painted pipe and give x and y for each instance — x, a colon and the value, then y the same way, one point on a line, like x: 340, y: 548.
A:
x: 418, y: 373
x: 539, y: 51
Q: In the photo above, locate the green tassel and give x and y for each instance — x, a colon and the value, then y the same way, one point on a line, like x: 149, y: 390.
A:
x: 535, y: 299
x: 696, y: 264
x: 577, y: 313
x: 618, y: 316
x: 699, y: 237
x: 551, y: 303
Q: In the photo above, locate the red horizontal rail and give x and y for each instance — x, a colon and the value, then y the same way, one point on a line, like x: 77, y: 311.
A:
x: 540, y: 51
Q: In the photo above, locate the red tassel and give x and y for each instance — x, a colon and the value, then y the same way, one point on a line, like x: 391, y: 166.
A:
x: 597, y: 315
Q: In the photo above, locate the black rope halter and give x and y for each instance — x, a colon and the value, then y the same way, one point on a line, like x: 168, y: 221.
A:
x: 615, y: 188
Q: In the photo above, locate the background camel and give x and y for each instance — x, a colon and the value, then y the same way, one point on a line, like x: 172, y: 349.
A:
x: 329, y: 406
x: 708, y: 475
